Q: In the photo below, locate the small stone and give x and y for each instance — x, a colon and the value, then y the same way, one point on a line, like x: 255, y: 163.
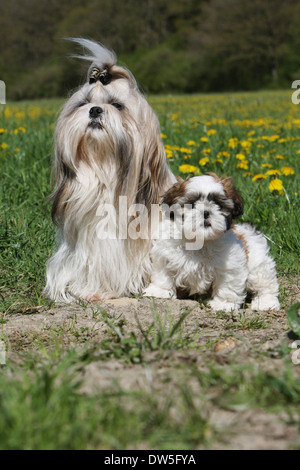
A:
x: 226, y: 345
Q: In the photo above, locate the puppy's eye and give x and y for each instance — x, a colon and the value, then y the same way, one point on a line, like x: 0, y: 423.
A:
x: 118, y: 106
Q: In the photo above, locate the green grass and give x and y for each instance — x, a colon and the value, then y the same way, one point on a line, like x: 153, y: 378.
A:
x: 43, y: 405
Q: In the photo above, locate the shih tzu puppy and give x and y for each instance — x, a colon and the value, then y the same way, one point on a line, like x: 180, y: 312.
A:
x: 107, y: 146
x: 200, y: 250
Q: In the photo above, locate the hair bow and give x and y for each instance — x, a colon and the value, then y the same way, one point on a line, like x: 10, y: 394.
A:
x: 103, y: 76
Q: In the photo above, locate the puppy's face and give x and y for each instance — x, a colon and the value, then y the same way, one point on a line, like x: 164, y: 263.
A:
x: 205, y: 206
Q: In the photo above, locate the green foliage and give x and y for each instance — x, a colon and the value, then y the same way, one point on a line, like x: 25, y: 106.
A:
x: 162, y: 334
x: 42, y: 407
x: 183, y: 45
x: 294, y: 318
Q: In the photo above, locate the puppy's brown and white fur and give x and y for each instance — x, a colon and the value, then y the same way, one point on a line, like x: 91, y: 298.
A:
x: 107, y: 144
x: 230, y: 258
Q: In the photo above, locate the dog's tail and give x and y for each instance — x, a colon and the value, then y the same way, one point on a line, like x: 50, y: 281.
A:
x: 95, y: 52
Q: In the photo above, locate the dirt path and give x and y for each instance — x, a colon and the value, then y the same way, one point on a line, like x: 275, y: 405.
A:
x: 222, y: 340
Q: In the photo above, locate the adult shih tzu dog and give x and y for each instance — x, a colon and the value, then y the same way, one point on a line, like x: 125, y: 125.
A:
x: 200, y: 249
x: 107, y: 147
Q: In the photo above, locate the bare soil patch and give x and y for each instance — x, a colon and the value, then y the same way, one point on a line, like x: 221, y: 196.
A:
x: 244, y: 337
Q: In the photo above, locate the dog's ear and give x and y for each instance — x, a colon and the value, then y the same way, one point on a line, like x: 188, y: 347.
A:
x: 176, y: 192
x: 232, y: 194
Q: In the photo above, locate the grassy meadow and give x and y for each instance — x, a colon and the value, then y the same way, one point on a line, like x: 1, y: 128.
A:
x: 255, y: 138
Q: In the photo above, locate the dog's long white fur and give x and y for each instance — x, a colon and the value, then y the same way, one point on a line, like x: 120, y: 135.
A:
x: 120, y: 155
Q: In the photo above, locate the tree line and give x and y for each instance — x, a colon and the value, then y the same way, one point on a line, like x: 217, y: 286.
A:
x: 170, y: 45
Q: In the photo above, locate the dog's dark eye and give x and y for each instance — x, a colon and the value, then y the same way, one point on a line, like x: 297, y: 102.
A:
x: 82, y: 103
x: 118, y: 106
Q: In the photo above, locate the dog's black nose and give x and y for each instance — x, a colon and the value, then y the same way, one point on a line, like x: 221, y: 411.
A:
x: 95, y: 111
x: 206, y: 214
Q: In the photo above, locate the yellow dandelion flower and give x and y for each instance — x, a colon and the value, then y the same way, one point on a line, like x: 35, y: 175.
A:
x: 206, y: 150
x: 203, y: 161
x: 211, y: 131
x: 17, y: 149
x: 191, y: 143
x: 184, y: 150
x: 2, y: 131
x: 163, y: 136
x: 259, y: 176
x: 7, y: 112
x: 169, y: 153
x: 233, y: 141
x: 287, y: 170
x: 186, y: 168
x: 174, y: 116
x: 245, y: 144
x: 204, y: 139
x: 3, y: 146
x: 276, y: 185
x: 266, y: 165
x: 22, y: 129
x: 240, y: 156
x: 279, y: 157
x: 273, y: 172
x: 224, y: 154
x: 243, y: 164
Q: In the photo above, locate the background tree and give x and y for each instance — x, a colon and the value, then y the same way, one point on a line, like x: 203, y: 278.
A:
x: 170, y: 45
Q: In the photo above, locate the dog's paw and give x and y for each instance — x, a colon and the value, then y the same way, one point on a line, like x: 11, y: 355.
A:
x: 153, y: 291
x: 94, y: 298
x: 218, y: 304
x: 265, y: 302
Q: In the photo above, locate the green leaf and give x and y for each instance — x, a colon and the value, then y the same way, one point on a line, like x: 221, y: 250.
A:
x: 294, y: 318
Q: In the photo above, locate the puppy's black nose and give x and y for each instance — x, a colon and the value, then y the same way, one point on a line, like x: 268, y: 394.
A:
x: 95, y: 112
x: 206, y: 214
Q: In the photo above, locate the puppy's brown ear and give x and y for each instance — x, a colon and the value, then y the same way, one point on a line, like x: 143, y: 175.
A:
x: 175, y: 193
x: 232, y: 194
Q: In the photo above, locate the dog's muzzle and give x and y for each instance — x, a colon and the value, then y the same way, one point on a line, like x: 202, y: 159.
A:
x: 95, y: 114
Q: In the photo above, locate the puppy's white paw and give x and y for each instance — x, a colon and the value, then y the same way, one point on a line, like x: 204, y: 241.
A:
x: 265, y: 302
x: 154, y: 291
x: 217, y: 304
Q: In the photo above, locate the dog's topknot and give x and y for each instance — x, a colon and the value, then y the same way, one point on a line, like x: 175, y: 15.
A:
x: 95, y: 52
x: 103, y: 63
